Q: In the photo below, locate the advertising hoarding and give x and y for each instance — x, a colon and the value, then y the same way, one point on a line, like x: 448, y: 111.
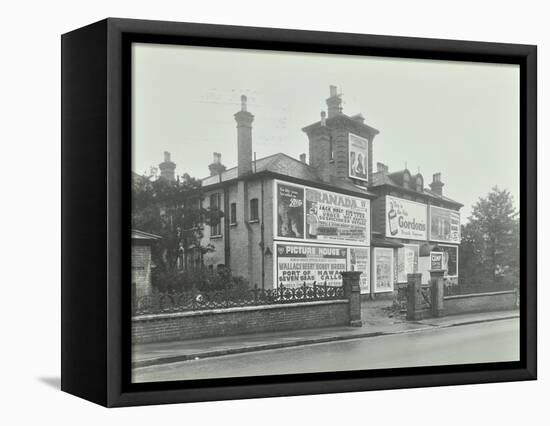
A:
x: 383, y: 270
x: 296, y: 264
x: 300, y: 263
x: 450, y: 259
x: 316, y: 215
x: 444, y: 225
x: 406, y: 219
x: 358, y: 149
x: 407, y: 261
x: 359, y: 260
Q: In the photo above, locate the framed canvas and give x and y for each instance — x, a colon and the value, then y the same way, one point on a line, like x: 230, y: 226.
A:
x: 255, y: 212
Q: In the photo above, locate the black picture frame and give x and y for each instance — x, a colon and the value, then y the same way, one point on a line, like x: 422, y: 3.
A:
x: 95, y: 211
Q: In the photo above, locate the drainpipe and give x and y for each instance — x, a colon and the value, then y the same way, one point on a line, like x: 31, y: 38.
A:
x: 262, y: 240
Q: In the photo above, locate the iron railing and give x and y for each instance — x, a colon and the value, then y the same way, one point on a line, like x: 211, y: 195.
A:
x: 229, y: 298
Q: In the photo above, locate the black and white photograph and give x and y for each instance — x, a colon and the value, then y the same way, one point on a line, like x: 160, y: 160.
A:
x: 297, y: 212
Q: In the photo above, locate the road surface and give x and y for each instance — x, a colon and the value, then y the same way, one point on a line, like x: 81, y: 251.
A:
x: 484, y: 342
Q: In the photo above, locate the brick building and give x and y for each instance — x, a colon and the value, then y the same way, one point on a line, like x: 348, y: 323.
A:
x: 288, y: 221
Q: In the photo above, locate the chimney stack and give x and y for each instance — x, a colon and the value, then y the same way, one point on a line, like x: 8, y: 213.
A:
x: 437, y: 185
x: 334, y: 103
x: 303, y: 157
x: 244, y: 139
x: 216, y: 168
x: 167, y: 168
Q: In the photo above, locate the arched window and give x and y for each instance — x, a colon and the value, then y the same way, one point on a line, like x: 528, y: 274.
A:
x: 406, y: 179
x: 419, y: 183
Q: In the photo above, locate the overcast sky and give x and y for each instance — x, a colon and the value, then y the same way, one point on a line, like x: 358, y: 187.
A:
x: 457, y: 118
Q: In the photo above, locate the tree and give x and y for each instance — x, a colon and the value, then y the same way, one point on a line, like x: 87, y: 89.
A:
x: 490, y: 241
x: 173, y: 210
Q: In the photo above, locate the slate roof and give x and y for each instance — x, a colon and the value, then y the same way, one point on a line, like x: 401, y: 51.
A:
x: 285, y: 165
x: 380, y: 179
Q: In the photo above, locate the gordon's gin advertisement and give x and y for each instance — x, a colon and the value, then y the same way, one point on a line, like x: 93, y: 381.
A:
x: 406, y: 219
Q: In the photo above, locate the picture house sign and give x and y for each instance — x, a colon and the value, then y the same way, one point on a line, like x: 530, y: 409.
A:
x: 406, y: 219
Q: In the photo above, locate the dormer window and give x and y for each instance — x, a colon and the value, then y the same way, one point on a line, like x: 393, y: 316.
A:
x: 419, y: 183
x: 406, y: 179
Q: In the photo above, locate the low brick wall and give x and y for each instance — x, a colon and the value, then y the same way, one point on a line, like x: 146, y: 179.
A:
x: 479, y: 302
x: 233, y: 321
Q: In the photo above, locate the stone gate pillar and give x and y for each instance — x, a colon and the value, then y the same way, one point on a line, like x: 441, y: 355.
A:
x: 438, y: 289
x: 414, y: 282
x: 352, y: 292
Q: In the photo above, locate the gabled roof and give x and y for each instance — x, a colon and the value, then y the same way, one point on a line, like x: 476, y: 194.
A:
x: 380, y: 179
x: 282, y: 164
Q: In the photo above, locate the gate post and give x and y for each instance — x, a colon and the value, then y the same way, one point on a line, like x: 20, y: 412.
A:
x: 352, y: 292
x: 414, y: 282
x: 438, y: 291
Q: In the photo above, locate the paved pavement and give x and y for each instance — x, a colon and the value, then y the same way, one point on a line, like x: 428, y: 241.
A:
x: 376, y: 322
x: 493, y: 341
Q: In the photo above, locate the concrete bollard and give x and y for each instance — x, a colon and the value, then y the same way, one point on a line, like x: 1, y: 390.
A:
x: 414, y: 282
x: 438, y: 291
x: 352, y: 292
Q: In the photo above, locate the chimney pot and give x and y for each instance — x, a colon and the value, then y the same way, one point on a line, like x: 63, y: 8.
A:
x: 436, y: 185
x: 243, y: 103
x: 167, y: 168
x: 333, y: 91
x: 303, y: 157
x: 334, y: 103
x: 166, y: 157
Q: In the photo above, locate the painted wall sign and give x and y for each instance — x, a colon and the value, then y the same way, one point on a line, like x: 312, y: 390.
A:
x: 406, y: 219
x: 383, y: 270
x: 316, y: 215
x: 300, y: 263
x: 407, y: 261
x: 444, y: 225
x: 358, y: 149
x: 436, y: 260
x: 359, y: 260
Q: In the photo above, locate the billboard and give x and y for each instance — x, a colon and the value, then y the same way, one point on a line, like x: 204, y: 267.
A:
x: 407, y: 261
x: 444, y: 225
x: 359, y: 260
x: 300, y: 263
x: 297, y: 264
x: 290, y: 209
x: 358, y: 157
x: 450, y: 259
x: 406, y: 219
x: 316, y: 215
x: 383, y: 270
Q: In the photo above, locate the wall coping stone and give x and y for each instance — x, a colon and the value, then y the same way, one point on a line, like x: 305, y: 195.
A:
x: 153, y: 317
x: 465, y: 296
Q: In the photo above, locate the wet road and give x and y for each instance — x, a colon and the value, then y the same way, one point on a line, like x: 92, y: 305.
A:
x: 485, y: 342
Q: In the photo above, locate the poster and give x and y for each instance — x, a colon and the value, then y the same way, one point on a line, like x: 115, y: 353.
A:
x: 436, y: 260
x: 290, y: 211
x: 300, y: 263
x: 383, y: 270
x: 359, y: 261
x: 333, y: 217
x: 407, y: 261
x: 444, y: 225
x: 406, y: 219
x: 450, y: 259
x: 358, y: 157
x: 304, y: 213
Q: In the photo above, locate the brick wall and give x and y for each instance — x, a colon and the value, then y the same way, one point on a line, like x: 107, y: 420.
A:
x: 482, y: 302
x: 233, y: 321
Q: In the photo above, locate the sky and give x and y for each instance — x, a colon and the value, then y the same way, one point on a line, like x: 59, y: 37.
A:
x: 457, y: 118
